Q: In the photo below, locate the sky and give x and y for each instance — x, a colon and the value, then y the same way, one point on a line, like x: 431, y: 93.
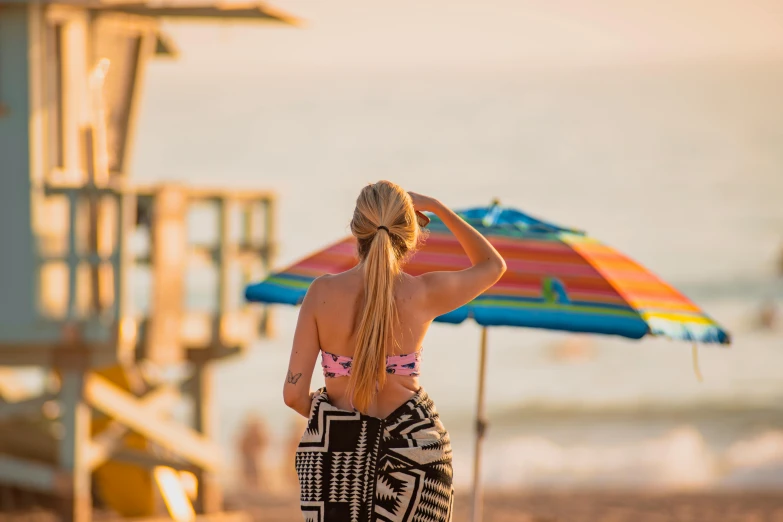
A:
x: 385, y: 33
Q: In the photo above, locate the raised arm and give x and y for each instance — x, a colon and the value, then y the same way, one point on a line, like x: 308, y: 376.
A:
x: 304, y: 353
x: 446, y: 291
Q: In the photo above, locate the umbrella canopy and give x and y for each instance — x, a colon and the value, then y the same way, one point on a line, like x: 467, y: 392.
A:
x: 557, y: 278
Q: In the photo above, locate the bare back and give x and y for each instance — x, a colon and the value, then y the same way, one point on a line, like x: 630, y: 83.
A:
x: 337, y: 314
x: 330, y: 319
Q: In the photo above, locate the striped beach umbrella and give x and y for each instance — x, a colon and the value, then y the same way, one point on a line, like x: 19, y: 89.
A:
x: 557, y: 278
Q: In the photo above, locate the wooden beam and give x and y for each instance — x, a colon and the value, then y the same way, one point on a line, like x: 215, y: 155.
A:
x: 199, y: 355
x: 169, y: 238
x: 173, y: 493
x: 12, y: 389
x: 28, y: 440
x: 268, y: 258
x: 125, y: 408
x: 146, y: 50
x: 29, y: 474
x: 199, y: 10
x: 90, y: 160
x: 73, y: 257
x: 14, y: 409
x: 210, y: 496
x: 213, y: 194
x: 149, y: 461
x: 223, y: 260
x: 75, y: 418
x: 27, y: 354
x: 105, y: 444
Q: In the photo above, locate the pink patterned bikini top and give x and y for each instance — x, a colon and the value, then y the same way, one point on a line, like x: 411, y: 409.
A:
x: 340, y: 365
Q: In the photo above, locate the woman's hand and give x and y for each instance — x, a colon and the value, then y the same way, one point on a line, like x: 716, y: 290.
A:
x: 424, y: 203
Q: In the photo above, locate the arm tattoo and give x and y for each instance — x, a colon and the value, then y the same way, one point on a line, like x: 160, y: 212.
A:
x: 293, y: 378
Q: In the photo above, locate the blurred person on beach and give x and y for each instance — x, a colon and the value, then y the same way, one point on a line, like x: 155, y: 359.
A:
x: 572, y: 349
x: 252, y: 446
x: 373, y: 421
x: 768, y: 315
x: 290, y: 478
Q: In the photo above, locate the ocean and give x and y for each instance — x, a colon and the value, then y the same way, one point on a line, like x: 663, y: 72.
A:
x: 680, y: 165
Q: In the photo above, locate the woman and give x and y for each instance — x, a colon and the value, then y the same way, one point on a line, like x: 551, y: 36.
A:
x: 374, y: 447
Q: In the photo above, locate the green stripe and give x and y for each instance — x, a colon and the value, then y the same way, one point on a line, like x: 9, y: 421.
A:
x: 289, y: 283
x: 555, y: 306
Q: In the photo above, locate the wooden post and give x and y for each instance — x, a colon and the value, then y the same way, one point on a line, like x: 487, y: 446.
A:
x: 169, y: 250
x: 223, y: 263
x: 210, y: 497
x: 270, y: 231
x: 481, y: 425
x: 77, y: 502
x: 73, y: 256
x: 248, y: 239
x: 270, y: 246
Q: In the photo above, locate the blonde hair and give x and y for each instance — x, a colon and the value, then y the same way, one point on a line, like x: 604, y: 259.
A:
x: 385, y: 227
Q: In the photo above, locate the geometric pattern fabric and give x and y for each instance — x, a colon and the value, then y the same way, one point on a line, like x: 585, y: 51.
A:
x: 357, y: 468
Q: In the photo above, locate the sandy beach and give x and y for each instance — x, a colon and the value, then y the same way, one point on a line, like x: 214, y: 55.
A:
x: 575, y: 507
x: 559, y: 506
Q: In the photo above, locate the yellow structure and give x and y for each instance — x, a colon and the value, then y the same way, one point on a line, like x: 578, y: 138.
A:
x: 70, y: 84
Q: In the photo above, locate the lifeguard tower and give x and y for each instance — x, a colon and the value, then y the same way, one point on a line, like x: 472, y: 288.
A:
x: 99, y: 420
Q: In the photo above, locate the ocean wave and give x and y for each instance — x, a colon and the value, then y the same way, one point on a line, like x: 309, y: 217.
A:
x: 680, y: 459
x: 768, y: 407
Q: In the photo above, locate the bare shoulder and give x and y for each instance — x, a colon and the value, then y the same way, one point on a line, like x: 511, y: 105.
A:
x: 427, y: 280
x: 334, y: 282
x: 321, y: 282
x: 316, y: 290
x: 329, y: 287
x: 413, y: 288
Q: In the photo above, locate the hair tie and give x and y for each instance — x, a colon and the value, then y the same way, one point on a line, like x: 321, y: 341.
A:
x: 383, y: 227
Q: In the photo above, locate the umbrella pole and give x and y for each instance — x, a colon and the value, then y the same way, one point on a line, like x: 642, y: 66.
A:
x: 478, y: 489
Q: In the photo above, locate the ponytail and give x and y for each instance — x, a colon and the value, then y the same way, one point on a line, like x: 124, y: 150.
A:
x: 376, y: 328
x: 385, y: 227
